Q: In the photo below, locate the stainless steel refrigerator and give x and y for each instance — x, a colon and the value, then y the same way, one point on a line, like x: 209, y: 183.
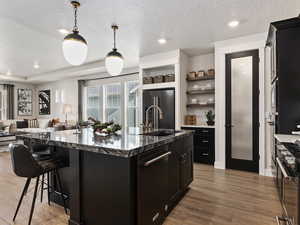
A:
x: 165, y: 99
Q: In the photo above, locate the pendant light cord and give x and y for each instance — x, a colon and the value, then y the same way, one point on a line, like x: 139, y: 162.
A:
x: 114, y: 37
x: 114, y: 27
x: 75, y: 28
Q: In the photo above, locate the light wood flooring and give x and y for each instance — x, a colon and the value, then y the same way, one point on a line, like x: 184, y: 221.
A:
x: 216, y: 197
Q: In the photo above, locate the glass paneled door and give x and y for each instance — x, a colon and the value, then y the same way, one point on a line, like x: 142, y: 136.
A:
x: 242, y: 111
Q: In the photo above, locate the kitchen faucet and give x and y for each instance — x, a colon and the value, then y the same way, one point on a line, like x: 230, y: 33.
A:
x: 153, y: 107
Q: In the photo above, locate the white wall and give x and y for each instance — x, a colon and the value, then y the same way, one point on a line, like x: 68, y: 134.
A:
x: 202, y: 62
x: 196, y: 63
x: 69, y: 88
x: 256, y: 41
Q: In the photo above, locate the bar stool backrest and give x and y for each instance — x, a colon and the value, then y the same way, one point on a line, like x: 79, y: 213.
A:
x: 24, y: 165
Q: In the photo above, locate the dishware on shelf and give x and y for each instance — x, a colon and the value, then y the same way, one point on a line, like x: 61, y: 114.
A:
x: 196, y: 87
x: 208, y: 86
x: 210, y: 100
x: 194, y: 101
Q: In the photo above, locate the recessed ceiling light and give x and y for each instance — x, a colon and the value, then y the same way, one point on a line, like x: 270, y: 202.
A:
x: 8, y: 73
x: 63, y: 31
x: 162, y: 41
x: 233, y: 23
x: 36, y: 66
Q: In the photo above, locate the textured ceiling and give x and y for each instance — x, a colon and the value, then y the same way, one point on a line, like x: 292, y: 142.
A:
x: 29, y: 28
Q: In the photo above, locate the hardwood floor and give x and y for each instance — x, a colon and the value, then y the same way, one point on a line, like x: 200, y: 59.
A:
x: 216, y: 197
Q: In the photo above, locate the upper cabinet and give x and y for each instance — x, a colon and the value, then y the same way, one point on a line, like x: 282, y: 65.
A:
x: 283, y: 39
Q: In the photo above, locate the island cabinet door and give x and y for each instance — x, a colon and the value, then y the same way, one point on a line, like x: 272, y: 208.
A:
x: 174, y: 175
x: 153, y: 186
x: 186, y: 169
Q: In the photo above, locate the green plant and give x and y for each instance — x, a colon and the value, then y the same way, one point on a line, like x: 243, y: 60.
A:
x: 210, y: 116
x: 108, y: 127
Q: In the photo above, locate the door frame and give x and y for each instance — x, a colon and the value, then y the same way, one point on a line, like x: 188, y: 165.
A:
x: 251, y: 166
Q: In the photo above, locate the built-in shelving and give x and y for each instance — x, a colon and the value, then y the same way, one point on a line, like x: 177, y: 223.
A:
x: 202, y: 78
x: 195, y: 92
x: 159, y: 85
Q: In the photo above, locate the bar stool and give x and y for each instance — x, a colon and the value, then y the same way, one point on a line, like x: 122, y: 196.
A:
x: 41, y: 152
x: 24, y: 165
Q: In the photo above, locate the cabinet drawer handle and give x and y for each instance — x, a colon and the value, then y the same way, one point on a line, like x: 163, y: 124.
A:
x: 148, y: 163
x: 206, y: 154
x: 204, y: 141
x: 204, y: 131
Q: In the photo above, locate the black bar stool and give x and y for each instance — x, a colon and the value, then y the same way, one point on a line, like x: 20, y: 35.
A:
x: 41, y: 152
x: 24, y: 165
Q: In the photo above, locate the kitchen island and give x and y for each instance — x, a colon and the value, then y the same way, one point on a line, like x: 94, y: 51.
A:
x: 128, y: 179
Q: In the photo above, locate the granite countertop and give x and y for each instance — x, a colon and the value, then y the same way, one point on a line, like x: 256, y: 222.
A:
x: 126, y: 144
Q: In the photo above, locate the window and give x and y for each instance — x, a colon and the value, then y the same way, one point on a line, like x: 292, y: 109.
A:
x: 113, y: 103
x: 93, y: 103
x: 132, y: 103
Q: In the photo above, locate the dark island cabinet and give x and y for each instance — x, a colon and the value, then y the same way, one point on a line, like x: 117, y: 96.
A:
x: 204, y: 144
x: 138, y: 190
x: 180, y: 174
x: 163, y: 177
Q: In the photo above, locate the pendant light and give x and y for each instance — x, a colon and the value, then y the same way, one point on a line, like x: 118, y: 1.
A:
x: 74, y: 45
x: 114, y: 61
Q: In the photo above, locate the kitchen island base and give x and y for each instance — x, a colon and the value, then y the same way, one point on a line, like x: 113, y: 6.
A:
x: 138, y: 190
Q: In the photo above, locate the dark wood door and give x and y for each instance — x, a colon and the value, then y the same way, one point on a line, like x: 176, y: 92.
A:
x: 242, y: 111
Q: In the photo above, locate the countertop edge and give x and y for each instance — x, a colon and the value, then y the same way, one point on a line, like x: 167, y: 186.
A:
x: 108, y: 151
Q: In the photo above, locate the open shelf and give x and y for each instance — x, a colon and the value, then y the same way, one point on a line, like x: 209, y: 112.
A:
x: 202, y: 78
x: 195, y: 92
x: 201, y: 105
x: 159, y: 85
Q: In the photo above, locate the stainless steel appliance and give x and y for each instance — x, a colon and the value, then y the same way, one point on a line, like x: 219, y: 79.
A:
x: 164, y: 99
x: 288, y: 184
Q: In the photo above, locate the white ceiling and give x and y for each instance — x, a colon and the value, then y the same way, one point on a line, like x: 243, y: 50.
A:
x: 29, y: 28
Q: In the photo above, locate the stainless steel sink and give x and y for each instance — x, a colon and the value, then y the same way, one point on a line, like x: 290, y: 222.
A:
x: 161, y: 133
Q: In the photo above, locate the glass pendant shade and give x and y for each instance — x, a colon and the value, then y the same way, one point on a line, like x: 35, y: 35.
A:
x: 75, y: 48
x: 114, y: 63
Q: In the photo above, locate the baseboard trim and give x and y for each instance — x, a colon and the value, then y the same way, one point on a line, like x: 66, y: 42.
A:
x: 219, y: 165
x: 268, y: 172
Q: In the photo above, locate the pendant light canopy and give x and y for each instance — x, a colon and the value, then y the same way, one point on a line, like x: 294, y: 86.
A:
x: 114, y: 61
x: 74, y: 45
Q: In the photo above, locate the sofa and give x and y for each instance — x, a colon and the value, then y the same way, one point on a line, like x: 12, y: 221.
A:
x: 36, y: 125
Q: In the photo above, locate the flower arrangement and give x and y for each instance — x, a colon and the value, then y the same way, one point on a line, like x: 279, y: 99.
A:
x: 106, y: 128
